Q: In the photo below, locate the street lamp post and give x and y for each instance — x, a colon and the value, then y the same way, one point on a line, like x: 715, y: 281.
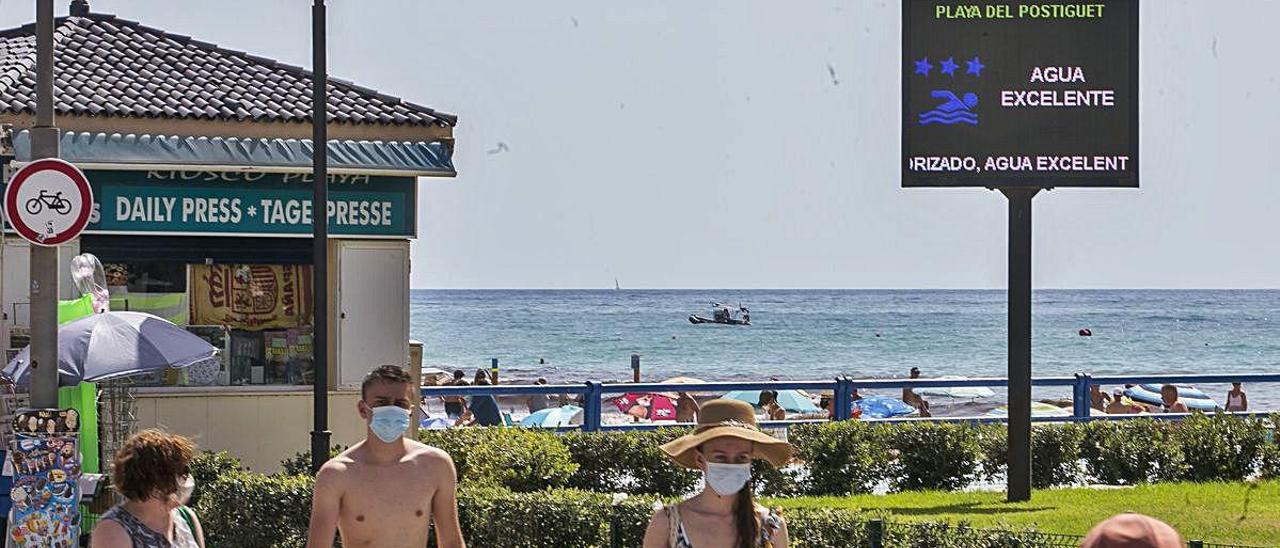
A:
x: 44, y: 259
x: 320, y: 239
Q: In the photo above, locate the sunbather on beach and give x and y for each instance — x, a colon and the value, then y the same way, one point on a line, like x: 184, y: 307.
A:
x: 455, y: 405
x: 482, y: 410
x: 538, y: 402
x: 910, y: 397
x: 1237, y: 400
x: 686, y: 408
x: 1100, y: 399
x: 1120, y: 406
x: 769, y: 403
x: 1169, y: 397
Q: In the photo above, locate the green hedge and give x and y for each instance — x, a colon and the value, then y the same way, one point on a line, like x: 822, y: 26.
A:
x: 631, y: 463
x: 1055, y: 453
x: 850, y: 457
x: 244, y: 509
x: 515, y: 458
x: 933, y: 455
x: 842, y: 458
x: 208, y: 466
x: 1221, y: 450
x: 300, y: 464
x: 1134, y: 451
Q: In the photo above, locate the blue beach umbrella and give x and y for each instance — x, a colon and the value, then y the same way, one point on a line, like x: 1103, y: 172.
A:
x: 553, y: 417
x: 112, y: 345
x: 791, y: 400
x: 883, y: 407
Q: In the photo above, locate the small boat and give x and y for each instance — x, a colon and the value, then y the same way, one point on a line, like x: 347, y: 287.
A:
x: 724, y: 315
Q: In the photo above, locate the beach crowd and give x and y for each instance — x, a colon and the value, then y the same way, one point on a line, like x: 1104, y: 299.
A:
x: 484, y: 410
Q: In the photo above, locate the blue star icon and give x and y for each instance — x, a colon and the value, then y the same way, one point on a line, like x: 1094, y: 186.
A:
x: 949, y: 66
x: 923, y: 66
x: 975, y: 66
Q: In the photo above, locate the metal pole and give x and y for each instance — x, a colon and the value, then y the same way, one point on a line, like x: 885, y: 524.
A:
x: 875, y: 533
x: 1019, y: 488
x: 493, y: 370
x: 320, y: 237
x: 842, y: 399
x: 44, y: 260
x: 635, y: 368
x: 591, y: 407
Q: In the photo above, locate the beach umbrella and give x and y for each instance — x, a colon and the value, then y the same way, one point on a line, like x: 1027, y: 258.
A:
x: 1187, y: 394
x: 647, y: 405
x: 958, y: 392
x: 683, y: 380
x: 793, y: 401
x: 553, y: 417
x: 883, y: 407
x: 1038, y: 409
x: 680, y: 380
x: 112, y: 345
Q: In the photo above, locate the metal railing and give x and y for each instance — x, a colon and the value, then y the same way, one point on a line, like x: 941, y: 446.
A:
x: 592, y: 394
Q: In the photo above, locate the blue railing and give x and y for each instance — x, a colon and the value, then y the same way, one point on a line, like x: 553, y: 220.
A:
x: 592, y: 394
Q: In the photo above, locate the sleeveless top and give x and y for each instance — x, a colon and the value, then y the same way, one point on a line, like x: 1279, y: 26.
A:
x: 143, y: 537
x: 770, y: 523
x: 1235, y: 401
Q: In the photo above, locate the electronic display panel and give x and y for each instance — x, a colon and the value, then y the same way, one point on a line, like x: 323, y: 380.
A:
x: 1020, y: 93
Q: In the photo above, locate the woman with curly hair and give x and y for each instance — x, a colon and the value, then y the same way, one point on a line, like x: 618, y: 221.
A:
x: 153, y: 473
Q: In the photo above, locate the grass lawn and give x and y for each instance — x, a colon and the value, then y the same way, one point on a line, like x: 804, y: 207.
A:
x: 1231, y: 513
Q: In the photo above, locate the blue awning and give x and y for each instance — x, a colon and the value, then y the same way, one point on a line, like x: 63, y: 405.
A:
x: 431, y: 159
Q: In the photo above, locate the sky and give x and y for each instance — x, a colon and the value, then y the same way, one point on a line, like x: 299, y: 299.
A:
x: 755, y: 144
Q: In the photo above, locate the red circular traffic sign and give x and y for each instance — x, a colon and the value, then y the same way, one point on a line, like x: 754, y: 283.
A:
x: 48, y: 202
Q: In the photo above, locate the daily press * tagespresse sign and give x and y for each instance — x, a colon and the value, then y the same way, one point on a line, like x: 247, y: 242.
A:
x: 1019, y: 93
x: 247, y: 203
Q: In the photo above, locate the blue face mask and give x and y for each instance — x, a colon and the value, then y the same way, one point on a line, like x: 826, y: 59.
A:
x: 389, y: 422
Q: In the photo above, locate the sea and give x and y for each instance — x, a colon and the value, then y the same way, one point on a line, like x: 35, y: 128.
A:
x: 570, y: 336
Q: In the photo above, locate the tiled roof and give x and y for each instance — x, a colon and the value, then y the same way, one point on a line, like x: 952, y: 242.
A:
x: 107, y: 66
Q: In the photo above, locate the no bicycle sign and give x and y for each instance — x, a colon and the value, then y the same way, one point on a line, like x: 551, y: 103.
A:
x: 48, y: 202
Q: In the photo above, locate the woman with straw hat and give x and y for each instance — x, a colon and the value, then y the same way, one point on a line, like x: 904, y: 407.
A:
x: 724, y: 514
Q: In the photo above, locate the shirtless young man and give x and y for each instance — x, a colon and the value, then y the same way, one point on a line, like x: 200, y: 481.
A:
x: 386, y: 491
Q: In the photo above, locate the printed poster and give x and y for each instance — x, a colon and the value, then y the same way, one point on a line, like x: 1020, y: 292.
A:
x: 252, y: 297
x: 46, y: 482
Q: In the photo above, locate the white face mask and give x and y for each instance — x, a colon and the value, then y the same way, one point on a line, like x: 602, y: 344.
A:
x: 186, y: 486
x: 727, y: 479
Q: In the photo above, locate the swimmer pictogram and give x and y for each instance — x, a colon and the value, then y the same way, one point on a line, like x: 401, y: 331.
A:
x: 953, y: 110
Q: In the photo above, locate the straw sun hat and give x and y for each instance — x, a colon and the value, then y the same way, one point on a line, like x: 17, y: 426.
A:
x: 727, y: 418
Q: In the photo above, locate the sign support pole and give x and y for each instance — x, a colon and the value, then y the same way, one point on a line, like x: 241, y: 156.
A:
x: 320, y: 238
x: 44, y: 259
x: 1019, y: 471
